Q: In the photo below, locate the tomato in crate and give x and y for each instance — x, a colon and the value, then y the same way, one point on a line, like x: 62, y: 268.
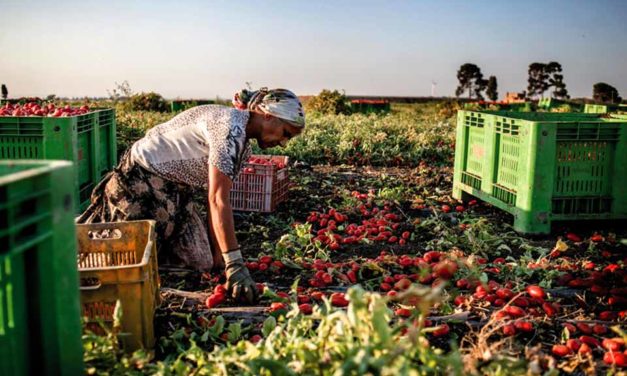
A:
x: 262, y: 185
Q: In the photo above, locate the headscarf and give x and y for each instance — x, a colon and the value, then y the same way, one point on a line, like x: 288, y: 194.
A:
x: 280, y: 103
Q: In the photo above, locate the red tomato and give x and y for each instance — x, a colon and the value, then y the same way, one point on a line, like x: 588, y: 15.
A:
x: 283, y: 295
x: 256, y: 338
x: 591, y: 341
x: 445, y: 269
x: 460, y: 300
x: 573, y: 344
x: 327, y: 278
x: 403, y: 312
x: 514, y: 311
x: 317, y: 295
x: 220, y: 289
x: 599, y: 329
x: 611, y: 344
x: 585, y: 349
x: 277, y: 306
x: 549, y: 309
x: 214, y: 300
x: 536, y: 292
x: 509, y: 330
x: 338, y: 300
x: 305, y: 309
x: 265, y: 259
x: 504, y: 293
x: 441, y: 330
x: 616, y: 358
x: 524, y: 326
x: 402, y: 284
x: 560, y: 350
x: 573, y: 237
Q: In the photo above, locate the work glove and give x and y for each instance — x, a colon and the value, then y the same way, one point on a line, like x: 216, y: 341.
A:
x: 239, y: 284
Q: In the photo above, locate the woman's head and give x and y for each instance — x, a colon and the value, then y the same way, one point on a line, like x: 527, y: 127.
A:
x: 276, y: 115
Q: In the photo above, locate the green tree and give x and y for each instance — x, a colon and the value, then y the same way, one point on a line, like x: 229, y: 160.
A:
x: 329, y: 102
x: 556, y: 80
x: 543, y: 76
x: 5, y: 91
x: 470, y: 78
x: 147, y: 102
x: 602, y: 92
x: 492, y: 89
x: 537, y: 82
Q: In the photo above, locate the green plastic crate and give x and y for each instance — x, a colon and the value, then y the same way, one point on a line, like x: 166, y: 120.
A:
x: 87, y: 140
x: 485, y: 106
x: 40, y: 329
x: 548, y: 104
x: 543, y: 167
x: 184, y: 104
x: 592, y: 108
x: 370, y: 106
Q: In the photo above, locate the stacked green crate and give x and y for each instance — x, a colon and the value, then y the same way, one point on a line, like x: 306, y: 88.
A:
x: 368, y: 106
x: 40, y: 329
x: 594, y: 108
x: 88, y: 140
x: 543, y: 167
x: 520, y: 107
x: 549, y: 104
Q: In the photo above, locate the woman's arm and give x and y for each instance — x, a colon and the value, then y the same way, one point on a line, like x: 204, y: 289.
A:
x: 220, y: 212
x: 238, y: 281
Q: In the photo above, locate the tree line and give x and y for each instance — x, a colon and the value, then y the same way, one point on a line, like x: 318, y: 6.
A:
x: 541, y: 78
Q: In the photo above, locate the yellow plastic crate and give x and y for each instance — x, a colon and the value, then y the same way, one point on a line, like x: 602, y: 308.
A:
x: 119, y: 261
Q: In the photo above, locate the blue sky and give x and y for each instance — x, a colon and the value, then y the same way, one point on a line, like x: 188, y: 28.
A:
x: 200, y: 49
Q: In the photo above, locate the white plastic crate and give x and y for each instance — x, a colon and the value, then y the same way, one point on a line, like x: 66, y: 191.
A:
x: 260, y: 187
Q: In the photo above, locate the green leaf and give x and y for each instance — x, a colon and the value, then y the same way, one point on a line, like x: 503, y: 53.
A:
x: 483, y: 278
x: 205, y: 336
x: 380, y: 321
x: 117, y: 315
x: 218, y: 327
x: 290, y: 264
x: 276, y: 367
x: 234, y: 331
x: 268, y: 326
x: 268, y: 293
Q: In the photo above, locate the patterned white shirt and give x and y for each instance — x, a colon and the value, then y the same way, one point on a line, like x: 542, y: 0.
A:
x: 182, y: 148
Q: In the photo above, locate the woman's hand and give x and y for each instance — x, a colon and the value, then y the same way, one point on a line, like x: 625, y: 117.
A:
x: 240, y: 285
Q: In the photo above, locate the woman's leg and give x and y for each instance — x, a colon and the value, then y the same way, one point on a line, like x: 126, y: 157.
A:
x: 189, y: 242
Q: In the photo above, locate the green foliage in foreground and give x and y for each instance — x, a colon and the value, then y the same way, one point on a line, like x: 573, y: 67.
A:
x: 404, y: 137
x: 359, y: 340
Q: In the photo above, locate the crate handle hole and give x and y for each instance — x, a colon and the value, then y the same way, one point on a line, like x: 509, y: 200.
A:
x: 90, y: 284
x: 105, y: 234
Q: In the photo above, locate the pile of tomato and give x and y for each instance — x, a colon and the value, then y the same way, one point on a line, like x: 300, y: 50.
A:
x: 36, y: 109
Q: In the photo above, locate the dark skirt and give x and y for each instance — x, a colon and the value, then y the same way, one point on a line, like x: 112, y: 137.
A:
x: 130, y: 192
